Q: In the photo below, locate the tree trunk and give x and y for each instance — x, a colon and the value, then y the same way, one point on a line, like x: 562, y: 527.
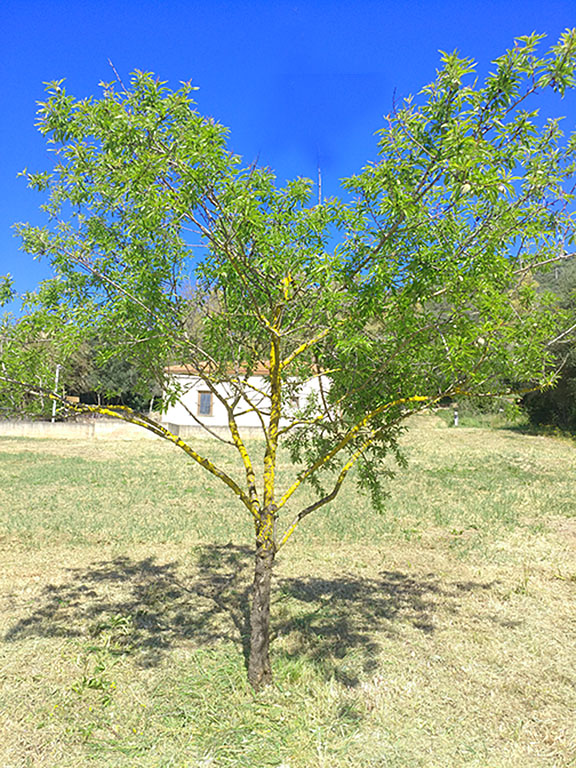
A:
x: 259, y: 669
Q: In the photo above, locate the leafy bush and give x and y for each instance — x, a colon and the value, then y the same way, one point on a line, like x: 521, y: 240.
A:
x: 556, y: 407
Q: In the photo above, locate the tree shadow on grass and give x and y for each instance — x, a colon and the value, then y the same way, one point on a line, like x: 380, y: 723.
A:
x: 145, y: 609
x: 339, y: 622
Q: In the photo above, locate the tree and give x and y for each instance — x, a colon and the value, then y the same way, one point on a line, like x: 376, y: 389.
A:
x: 34, y: 343
x: 96, y: 374
x: 412, y: 288
x: 556, y: 405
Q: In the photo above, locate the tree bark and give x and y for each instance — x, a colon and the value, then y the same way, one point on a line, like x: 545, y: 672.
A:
x: 259, y: 669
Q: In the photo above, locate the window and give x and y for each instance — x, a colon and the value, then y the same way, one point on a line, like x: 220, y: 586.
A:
x: 204, y: 403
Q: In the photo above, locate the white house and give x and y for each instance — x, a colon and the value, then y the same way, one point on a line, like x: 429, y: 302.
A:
x: 197, y: 405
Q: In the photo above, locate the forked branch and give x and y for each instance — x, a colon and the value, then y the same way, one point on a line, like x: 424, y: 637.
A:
x: 330, y: 496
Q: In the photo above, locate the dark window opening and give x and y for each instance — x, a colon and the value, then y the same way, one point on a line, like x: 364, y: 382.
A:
x: 204, y: 403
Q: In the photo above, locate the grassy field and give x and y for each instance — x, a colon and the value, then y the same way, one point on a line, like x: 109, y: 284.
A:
x: 440, y: 634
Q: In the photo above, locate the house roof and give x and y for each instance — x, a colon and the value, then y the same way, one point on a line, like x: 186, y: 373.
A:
x: 260, y: 369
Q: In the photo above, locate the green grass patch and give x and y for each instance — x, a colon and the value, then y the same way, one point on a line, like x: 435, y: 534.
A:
x: 440, y: 633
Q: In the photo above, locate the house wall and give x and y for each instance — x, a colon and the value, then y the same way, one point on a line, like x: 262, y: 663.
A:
x: 192, y: 385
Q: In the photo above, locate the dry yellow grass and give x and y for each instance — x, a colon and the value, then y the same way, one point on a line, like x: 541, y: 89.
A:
x: 441, y: 634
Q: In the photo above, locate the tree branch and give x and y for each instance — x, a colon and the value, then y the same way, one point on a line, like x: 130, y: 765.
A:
x: 348, y: 437
x: 123, y: 413
x: 329, y: 497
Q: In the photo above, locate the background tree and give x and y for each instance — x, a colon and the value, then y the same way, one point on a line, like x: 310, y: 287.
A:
x: 97, y: 374
x: 556, y: 406
x: 34, y: 343
x: 85, y: 368
x: 411, y: 289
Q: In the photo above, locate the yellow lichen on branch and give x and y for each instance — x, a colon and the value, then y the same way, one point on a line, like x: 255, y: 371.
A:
x: 249, y: 469
x: 326, y: 499
x: 323, y: 460
x: 124, y: 413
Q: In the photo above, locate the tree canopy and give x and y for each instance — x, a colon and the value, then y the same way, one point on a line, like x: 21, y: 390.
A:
x: 415, y: 285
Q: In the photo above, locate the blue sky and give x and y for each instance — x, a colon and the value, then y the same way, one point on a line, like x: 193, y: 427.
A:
x: 299, y: 84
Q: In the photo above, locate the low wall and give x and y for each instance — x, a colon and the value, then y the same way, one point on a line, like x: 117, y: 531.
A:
x: 108, y: 429
x: 103, y: 429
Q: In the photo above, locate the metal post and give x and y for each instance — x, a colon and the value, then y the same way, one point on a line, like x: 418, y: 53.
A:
x: 55, y: 392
